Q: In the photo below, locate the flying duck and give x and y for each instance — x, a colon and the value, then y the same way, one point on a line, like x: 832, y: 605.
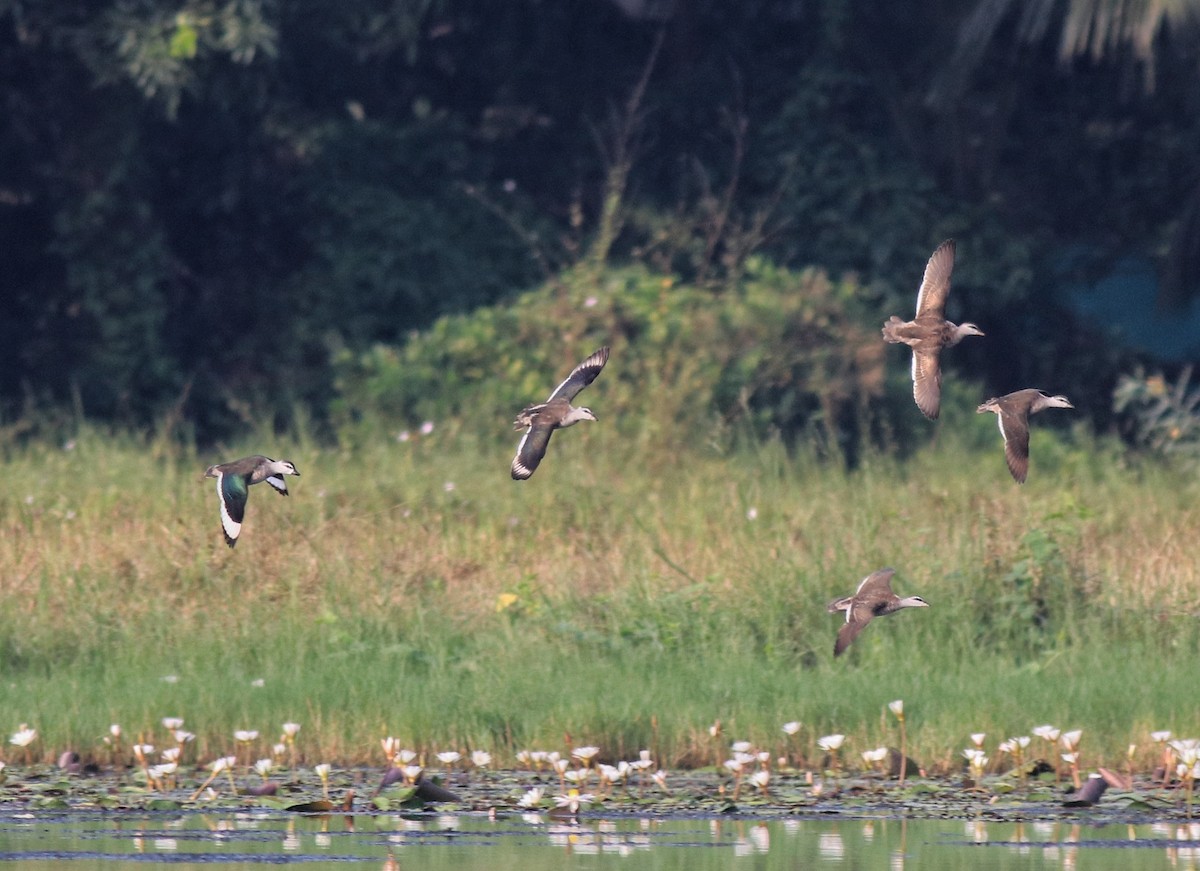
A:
x: 1013, y: 412
x: 929, y: 331
x: 233, y: 481
x: 873, y: 598
x: 540, y: 421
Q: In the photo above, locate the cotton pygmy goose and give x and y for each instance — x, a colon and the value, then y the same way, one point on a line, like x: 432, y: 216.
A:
x: 1012, y: 411
x: 873, y: 598
x: 929, y: 331
x: 540, y: 421
x: 233, y: 482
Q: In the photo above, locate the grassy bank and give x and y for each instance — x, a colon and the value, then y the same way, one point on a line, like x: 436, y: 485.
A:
x: 624, y: 597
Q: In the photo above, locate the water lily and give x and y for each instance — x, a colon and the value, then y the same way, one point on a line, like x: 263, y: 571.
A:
x: 390, y: 746
x: 1070, y: 740
x: 760, y: 779
x: 573, y: 800
x: 24, y: 736
x: 741, y: 746
x: 1046, y: 733
x: 897, y: 708
x: 830, y: 743
x: 532, y: 798
x: 660, y: 779
x: 585, y: 754
x: 977, y: 738
x: 427, y: 427
x: 171, y: 754
x: 525, y: 757
x: 263, y: 768
x: 172, y: 723
x: 1160, y: 737
x: 322, y: 772
x: 245, y: 736
x: 412, y: 773
x: 182, y: 736
x: 449, y: 757
x: 481, y: 758
x: 291, y: 730
x: 791, y: 727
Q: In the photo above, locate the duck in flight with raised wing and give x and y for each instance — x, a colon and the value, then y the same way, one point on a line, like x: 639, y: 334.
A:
x: 540, y: 421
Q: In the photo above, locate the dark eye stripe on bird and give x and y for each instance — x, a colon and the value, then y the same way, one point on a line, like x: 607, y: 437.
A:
x: 929, y: 331
x: 233, y: 483
x: 873, y: 598
x: 1012, y: 413
x: 540, y: 421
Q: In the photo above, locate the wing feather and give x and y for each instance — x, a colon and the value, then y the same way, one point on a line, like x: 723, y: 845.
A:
x: 581, y: 376
x: 231, y: 492
x: 531, y: 450
x: 927, y: 382
x: 935, y: 285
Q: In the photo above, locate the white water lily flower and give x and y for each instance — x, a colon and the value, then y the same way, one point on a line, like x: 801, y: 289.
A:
x: 741, y: 746
x: 532, y: 798
x: 172, y: 723
x: 1070, y: 740
x: 897, y: 707
x: 744, y: 758
x: 278, y: 749
x: 1160, y: 737
x: 573, y: 800
x: 1022, y: 741
x: 182, y: 736
x: 221, y: 763
x: 831, y: 742
x: 481, y: 758
x: 171, y: 754
x: 1008, y: 746
x: 763, y: 756
x: 577, y: 775
x: 1046, y: 733
x: 760, y: 779
x: 977, y: 738
x: 291, y: 730
x: 1187, y: 748
x: 791, y: 727
x: 449, y: 757
x: 24, y: 736
x: 412, y: 773
x: 585, y: 753
x: 322, y: 770
x: 115, y: 730
x: 525, y: 757
x: 876, y: 755
x: 609, y: 773
x: 390, y: 746
x: 560, y: 765
x: 404, y: 757
x: 245, y: 736
x: 660, y: 779
x: 264, y: 766
x: 166, y: 769
x: 733, y: 765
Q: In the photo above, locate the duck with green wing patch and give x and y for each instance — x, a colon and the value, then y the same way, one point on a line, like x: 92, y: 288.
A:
x: 233, y: 486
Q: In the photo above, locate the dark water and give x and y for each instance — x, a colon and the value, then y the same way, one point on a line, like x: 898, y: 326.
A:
x: 253, y: 839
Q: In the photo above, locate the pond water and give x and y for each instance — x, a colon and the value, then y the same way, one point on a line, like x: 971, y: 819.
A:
x: 52, y: 840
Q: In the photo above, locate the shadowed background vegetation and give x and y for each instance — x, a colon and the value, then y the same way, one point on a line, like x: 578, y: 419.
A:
x: 305, y: 230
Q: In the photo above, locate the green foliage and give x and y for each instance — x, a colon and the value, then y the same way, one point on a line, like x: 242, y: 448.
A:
x: 786, y: 352
x: 1163, y: 418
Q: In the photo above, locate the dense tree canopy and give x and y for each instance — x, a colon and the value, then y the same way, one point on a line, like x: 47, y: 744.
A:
x: 204, y: 202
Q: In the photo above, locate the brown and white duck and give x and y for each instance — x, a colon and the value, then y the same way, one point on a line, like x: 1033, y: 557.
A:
x: 233, y: 483
x: 1012, y: 411
x: 873, y: 598
x: 929, y: 331
x: 540, y: 421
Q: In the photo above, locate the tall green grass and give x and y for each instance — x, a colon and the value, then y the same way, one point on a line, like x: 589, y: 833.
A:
x: 629, y: 595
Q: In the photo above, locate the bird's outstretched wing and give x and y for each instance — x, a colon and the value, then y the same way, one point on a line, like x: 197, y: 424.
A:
x: 581, y: 376
x: 935, y: 286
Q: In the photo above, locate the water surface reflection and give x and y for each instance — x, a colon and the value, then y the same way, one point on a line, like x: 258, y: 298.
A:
x: 535, y: 841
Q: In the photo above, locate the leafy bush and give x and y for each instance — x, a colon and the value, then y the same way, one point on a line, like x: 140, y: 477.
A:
x: 1163, y: 418
x: 784, y: 352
